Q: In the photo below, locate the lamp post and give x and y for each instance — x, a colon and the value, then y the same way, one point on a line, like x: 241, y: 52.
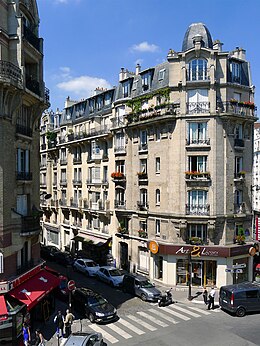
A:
x: 189, y: 270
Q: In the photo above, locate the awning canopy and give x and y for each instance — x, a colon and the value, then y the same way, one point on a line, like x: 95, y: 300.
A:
x: 94, y: 240
x: 3, y: 309
x: 33, y: 290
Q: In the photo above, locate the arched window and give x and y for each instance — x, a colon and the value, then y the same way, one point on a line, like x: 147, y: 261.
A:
x: 198, y: 70
x: 157, y: 197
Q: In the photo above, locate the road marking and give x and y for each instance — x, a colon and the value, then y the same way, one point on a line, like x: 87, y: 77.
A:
x: 106, y: 335
x: 193, y: 314
x: 160, y: 314
x: 153, y: 319
x: 119, y: 331
x: 130, y: 326
x: 142, y: 323
x: 175, y: 313
x: 203, y: 312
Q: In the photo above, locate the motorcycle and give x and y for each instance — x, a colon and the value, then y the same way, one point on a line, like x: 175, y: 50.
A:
x: 166, y: 299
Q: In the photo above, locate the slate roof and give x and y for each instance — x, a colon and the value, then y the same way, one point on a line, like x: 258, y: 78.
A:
x: 193, y: 30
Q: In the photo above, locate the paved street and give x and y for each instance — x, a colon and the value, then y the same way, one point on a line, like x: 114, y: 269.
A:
x: 183, y: 323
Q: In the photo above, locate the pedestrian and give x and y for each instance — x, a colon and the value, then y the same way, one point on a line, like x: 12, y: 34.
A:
x: 212, y: 294
x: 205, y: 296
x: 69, y: 318
x: 26, y: 334
x: 39, y: 339
x: 59, y: 322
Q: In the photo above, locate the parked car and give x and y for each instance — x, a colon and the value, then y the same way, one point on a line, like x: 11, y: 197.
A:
x: 84, y: 339
x: 240, y: 298
x: 47, y: 252
x: 95, y: 307
x: 140, y: 286
x: 63, y: 258
x: 86, y: 266
x: 111, y: 275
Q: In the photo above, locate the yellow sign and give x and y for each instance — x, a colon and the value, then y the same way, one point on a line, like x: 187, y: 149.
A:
x: 153, y: 246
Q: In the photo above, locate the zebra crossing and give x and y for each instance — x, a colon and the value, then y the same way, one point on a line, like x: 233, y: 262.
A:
x: 150, y: 320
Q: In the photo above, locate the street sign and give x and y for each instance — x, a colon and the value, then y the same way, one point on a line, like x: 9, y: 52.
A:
x: 71, y: 285
x: 235, y: 271
x: 238, y: 266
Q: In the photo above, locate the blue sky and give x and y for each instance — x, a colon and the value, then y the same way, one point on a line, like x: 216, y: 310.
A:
x: 86, y: 42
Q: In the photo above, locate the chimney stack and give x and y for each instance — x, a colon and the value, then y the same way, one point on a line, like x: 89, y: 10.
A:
x: 137, y: 69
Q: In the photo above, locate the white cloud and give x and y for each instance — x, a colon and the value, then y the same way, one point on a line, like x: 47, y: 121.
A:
x: 145, y: 47
x: 83, y: 86
x: 139, y: 61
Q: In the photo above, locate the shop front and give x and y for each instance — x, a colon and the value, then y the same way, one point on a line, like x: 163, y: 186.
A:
x: 200, y: 265
x: 29, y: 298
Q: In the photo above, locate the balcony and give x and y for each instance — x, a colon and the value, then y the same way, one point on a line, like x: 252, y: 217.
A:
x: 63, y: 161
x: 26, y: 176
x: 33, y: 85
x: 142, y: 233
x: 239, y: 143
x: 63, y: 182
x: 43, y: 146
x: 142, y: 178
x: 23, y: 130
x: 197, y: 209
x: 197, y: 107
x: 97, y: 131
x: 77, y: 182
x: 30, y: 225
x: 239, y: 176
x: 26, y: 266
x: 9, y: 71
x: 120, y: 150
x: 240, y: 208
x: 245, y: 109
x: 77, y: 160
x: 118, y: 122
x: 119, y: 204
x: 143, y: 147
x: 142, y: 206
x: 93, y: 181
x: 74, y: 203
x: 32, y: 38
x: 52, y: 144
x: 63, y: 202
x: 194, y: 175
x: 197, y: 241
x: 118, y: 176
x: 54, y: 203
x: 197, y: 141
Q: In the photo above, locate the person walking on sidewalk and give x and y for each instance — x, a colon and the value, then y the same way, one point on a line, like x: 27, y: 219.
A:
x: 26, y: 334
x: 59, y: 322
x: 205, y: 296
x: 212, y: 294
x: 69, y: 318
x: 39, y: 339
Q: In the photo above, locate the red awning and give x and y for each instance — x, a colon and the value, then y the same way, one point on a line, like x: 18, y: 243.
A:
x: 3, y: 309
x: 258, y: 267
x: 33, y: 290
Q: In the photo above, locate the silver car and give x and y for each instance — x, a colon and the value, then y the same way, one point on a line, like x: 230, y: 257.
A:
x: 111, y: 275
x: 84, y: 339
x: 86, y: 266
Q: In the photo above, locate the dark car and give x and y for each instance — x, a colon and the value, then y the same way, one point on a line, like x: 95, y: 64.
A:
x: 63, y: 258
x: 140, y: 286
x: 95, y: 307
x: 240, y: 298
x: 47, y: 252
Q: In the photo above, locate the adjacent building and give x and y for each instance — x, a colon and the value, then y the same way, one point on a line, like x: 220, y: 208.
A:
x: 23, y: 98
x: 157, y: 170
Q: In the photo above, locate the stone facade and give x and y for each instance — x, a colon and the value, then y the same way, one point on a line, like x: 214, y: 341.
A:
x: 164, y: 156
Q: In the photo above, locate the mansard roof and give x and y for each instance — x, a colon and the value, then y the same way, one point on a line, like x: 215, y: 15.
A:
x: 197, y: 29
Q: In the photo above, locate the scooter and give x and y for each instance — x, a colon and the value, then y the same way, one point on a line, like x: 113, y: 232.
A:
x: 166, y: 299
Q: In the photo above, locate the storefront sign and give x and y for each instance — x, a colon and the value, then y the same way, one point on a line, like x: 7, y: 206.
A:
x: 257, y: 228
x: 153, y: 247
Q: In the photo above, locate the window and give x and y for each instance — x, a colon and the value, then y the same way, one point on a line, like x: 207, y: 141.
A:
x: 238, y: 198
x: 63, y: 154
x: 238, y: 164
x: 239, y: 131
x: 198, y: 101
x: 145, y: 81
x: 197, y: 202
x: 135, y: 85
x: 120, y: 141
x: 143, y: 137
x: 161, y: 74
x: 237, y: 96
x: 197, y: 231
x: 77, y: 174
x: 126, y: 88
x: 157, y: 165
x: 55, y: 178
x: 143, y: 166
x: 108, y: 99
x: 157, y: 227
x: 157, y: 197
x: 1, y: 263
x: 22, y: 204
x: 95, y: 150
x: 63, y: 175
x: 235, y: 69
x: 91, y: 105
x: 197, y: 133
x: 120, y: 166
x: 94, y: 174
x: 143, y: 225
x: 197, y: 163
x: 23, y: 160
x: 157, y: 133
x: 198, y: 70
x: 143, y: 197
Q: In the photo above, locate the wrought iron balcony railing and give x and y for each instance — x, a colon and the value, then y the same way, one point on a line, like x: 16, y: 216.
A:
x: 120, y: 204
x: 23, y: 175
x: 197, y: 209
x: 198, y: 107
x: 24, y: 130
x: 142, y: 205
x: 10, y: 71
x: 30, y: 224
x: 32, y: 38
x: 197, y: 141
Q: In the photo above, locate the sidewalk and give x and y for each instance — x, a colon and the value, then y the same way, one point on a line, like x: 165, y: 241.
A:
x: 179, y: 294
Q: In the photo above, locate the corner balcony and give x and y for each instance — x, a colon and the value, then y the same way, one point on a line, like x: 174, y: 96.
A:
x: 245, y: 109
x: 23, y: 130
x: 119, y: 204
x: 30, y: 225
x: 10, y: 73
x: 32, y: 38
x: 197, y: 209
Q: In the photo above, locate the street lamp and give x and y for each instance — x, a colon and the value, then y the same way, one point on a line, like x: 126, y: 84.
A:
x: 190, y: 271
x: 47, y: 195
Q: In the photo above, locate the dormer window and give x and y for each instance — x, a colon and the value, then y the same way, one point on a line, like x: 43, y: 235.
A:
x: 235, y: 69
x: 198, y: 70
x: 126, y: 89
x: 161, y: 74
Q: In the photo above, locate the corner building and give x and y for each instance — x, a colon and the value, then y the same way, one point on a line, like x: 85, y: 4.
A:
x: 23, y: 98
x: 165, y: 167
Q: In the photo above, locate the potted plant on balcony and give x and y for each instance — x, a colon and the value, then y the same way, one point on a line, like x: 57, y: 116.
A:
x: 142, y: 174
x: 117, y: 175
x: 195, y: 241
x: 122, y: 230
x: 142, y: 233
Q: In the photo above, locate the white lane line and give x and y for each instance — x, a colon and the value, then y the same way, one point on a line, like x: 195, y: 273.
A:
x: 142, y: 323
x: 175, y: 313
x: 119, y: 331
x: 203, y: 312
x: 130, y: 326
x: 153, y: 319
x: 105, y: 334
x: 166, y: 317
x: 193, y: 314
